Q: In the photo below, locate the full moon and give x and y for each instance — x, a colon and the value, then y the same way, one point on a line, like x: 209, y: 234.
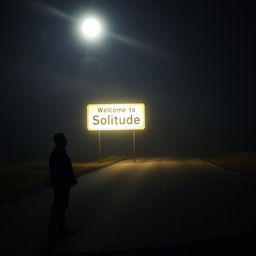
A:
x: 91, y: 28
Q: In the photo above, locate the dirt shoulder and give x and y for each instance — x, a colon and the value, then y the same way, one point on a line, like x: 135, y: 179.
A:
x: 20, y: 179
x: 243, y: 162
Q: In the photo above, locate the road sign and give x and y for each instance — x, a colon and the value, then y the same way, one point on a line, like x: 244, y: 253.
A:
x: 107, y: 117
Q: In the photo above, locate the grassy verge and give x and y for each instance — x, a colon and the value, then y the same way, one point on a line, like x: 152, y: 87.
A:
x: 19, y: 179
x: 244, y: 163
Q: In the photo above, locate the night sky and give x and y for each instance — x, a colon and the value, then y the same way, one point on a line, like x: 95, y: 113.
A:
x: 191, y: 62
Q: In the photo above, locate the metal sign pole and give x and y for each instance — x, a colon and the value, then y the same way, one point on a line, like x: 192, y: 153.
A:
x: 134, y: 146
x: 99, y: 145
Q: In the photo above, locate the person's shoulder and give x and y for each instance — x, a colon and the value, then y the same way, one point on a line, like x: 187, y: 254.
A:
x: 58, y: 153
x: 55, y: 153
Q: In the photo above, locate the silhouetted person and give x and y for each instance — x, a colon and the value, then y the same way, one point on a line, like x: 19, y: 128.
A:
x: 63, y: 178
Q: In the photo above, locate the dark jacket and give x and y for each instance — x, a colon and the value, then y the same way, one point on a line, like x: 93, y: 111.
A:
x: 62, y: 175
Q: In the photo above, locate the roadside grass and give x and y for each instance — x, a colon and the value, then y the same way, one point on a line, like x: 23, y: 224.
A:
x: 21, y: 176
x: 242, y: 162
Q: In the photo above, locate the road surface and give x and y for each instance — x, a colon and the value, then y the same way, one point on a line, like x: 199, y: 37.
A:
x: 153, y: 203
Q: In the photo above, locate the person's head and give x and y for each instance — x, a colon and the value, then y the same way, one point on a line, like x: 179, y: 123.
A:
x: 60, y: 140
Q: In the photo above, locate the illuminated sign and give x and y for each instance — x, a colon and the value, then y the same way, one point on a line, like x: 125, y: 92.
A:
x: 105, y: 117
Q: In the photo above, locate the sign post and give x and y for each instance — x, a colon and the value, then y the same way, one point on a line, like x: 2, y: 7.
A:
x: 99, y: 145
x: 134, y: 146
x: 110, y: 117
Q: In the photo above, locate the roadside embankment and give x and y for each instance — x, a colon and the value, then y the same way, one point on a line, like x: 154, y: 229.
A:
x: 20, y: 179
x: 243, y: 162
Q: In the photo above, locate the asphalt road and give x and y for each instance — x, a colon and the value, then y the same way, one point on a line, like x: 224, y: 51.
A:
x: 153, y: 203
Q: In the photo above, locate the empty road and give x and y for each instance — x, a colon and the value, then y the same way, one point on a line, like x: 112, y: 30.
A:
x: 153, y: 203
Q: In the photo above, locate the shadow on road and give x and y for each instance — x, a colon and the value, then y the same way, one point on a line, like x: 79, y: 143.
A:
x: 219, y: 246
x: 52, y: 242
